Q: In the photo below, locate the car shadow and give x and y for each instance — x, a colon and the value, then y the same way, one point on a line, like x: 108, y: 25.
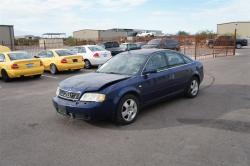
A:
x: 215, y: 107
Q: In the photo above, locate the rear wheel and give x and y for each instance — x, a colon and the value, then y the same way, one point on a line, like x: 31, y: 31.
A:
x: 193, y: 88
x: 87, y: 64
x: 128, y: 110
x: 5, y: 76
x: 53, y: 69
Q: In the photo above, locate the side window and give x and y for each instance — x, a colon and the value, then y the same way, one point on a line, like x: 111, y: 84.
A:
x: 156, y: 62
x: 81, y: 50
x: 50, y: 54
x: 174, y: 59
x: 188, y: 60
x: 42, y: 54
x: 2, y: 58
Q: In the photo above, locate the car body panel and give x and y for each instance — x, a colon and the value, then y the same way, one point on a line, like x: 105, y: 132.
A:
x: 148, y: 88
x: 26, y: 67
x: 87, y: 54
x: 74, y: 62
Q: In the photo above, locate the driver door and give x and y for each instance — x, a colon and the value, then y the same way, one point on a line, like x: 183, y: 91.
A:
x: 155, y: 85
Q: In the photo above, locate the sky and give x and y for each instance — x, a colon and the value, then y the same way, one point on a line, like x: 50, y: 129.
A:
x: 36, y: 17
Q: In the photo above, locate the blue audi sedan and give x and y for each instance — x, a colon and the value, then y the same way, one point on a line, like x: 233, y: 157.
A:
x: 125, y: 84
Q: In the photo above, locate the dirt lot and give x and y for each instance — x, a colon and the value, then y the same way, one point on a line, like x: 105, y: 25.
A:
x: 212, y: 129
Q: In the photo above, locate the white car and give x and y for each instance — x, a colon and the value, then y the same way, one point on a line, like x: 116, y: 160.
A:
x: 93, y: 55
x: 145, y: 34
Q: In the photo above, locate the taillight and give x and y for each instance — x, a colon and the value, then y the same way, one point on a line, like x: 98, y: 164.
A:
x: 96, y: 55
x: 64, y: 60
x: 14, y: 66
x: 41, y: 63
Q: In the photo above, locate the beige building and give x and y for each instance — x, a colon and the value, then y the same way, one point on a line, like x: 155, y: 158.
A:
x: 243, y: 28
x: 7, y: 36
x: 103, y: 35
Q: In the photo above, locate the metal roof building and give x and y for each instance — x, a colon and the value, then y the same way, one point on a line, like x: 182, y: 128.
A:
x: 7, y: 36
x: 243, y: 28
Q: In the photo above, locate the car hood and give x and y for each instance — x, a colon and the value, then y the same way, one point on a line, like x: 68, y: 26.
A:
x: 91, y: 81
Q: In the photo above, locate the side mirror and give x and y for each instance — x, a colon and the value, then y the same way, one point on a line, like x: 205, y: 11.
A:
x: 36, y: 56
x: 145, y: 73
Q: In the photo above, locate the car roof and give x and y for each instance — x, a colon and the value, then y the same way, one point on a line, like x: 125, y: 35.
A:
x: 13, y: 52
x: 145, y: 52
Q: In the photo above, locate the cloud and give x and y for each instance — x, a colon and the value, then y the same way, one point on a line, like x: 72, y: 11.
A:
x: 193, y: 20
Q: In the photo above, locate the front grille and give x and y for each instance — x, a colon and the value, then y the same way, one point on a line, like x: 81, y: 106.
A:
x: 69, y: 95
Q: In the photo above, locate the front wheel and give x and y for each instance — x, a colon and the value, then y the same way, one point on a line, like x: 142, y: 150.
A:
x: 128, y: 110
x: 193, y: 88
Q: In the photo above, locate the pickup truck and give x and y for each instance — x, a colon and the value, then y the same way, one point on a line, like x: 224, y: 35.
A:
x: 227, y: 41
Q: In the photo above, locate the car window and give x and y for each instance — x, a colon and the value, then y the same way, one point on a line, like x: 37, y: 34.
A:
x: 96, y: 48
x: 124, y: 64
x: 64, y: 52
x: 156, y: 62
x: 42, y: 54
x: 19, y: 55
x: 115, y: 44
x: 2, y: 58
x: 81, y: 50
x: 49, y: 54
x: 154, y: 42
x: 187, y: 59
x: 174, y: 59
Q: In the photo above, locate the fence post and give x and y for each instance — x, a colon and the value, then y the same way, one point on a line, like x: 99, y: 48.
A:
x: 44, y: 45
x: 213, y: 53
x: 195, y: 48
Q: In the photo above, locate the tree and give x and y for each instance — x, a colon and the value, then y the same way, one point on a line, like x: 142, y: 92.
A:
x: 183, y: 33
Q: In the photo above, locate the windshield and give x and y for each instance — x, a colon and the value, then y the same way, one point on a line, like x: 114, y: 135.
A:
x: 96, y: 48
x: 125, y: 64
x: 123, y: 46
x: 64, y: 52
x: 19, y: 56
x: 154, y: 42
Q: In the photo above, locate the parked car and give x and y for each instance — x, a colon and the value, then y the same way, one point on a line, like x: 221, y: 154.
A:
x: 93, y: 55
x: 227, y: 41
x: 129, y: 46
x: 146, y: 34
x: 126, y: 83
x: 163, y: 44
x: 111, y: 46
x: 19, y: 64
x: 56, y: 60
x: 140, y: 44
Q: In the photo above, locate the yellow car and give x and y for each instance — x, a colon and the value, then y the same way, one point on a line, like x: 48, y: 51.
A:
x: 55, y: 60
x: 18, y: 64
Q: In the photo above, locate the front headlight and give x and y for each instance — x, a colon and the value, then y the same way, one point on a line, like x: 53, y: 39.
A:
x: 57, y: 91
x: 96, y: 97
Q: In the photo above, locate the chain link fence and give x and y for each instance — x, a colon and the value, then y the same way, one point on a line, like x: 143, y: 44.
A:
x: 195, y: 46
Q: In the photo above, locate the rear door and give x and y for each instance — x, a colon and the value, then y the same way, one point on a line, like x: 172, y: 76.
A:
x: 181, y: 71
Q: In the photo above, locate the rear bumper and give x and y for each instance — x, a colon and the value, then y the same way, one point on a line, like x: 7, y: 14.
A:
x: 81, y: 110
x: 25, y: 72
x: 73, y: 66
x: 98, y: 61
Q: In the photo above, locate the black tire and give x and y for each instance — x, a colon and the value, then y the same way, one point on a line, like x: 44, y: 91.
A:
x: 130, y: 112
x: 193, y: 88
x: 87, y: 64
x: 38, y: 76
x: 53, y: 69
x: 5, y: 76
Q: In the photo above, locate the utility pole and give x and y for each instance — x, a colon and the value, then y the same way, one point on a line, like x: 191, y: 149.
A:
x: 235, y: 35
